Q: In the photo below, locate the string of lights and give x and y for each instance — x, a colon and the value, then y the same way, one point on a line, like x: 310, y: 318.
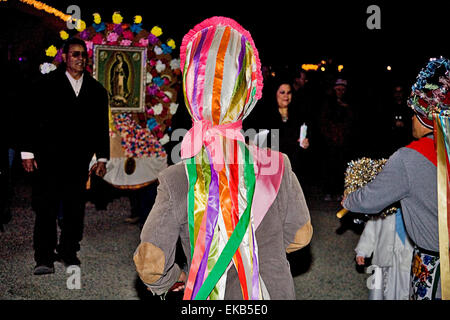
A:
x: 42, y: 6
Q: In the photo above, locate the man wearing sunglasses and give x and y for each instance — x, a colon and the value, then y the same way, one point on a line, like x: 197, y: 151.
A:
x: 68, y: 124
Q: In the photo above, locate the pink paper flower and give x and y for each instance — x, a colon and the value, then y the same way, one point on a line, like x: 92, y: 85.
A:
x: 112, y: 37
x: 125, y: 42
x: 143, y: 42
x: 89, y: 45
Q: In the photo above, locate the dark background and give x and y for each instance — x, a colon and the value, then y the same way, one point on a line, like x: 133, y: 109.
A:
x: 285, y: 33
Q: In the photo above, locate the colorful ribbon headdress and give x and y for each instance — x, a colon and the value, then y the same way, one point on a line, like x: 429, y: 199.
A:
x: 222, y: 82
x: 430, y: 100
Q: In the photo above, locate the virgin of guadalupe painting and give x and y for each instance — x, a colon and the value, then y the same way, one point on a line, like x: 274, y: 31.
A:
x: 121, y: 70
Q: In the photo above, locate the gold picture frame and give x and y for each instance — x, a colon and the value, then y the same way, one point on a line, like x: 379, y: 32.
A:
x: 122, y: 71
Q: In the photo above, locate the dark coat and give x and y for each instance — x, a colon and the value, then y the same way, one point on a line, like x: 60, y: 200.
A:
x: 64, y: 130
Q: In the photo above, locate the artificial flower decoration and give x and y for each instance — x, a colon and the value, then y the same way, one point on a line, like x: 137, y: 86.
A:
x: 51, y: 51
x: 158, y: 50
x: 148, y: 78
x: 112, y: 37
x: 127, y: 34
x: 152, y: 39
x: 175, y: 64
x: 97, y: 39
x: 164, y: 139
x: 143, y: 42
x: 158, y: 109
x: 166, y: 49
x: 160, y: 67
x: 97, y: 18
x: 162, y: 72
x: 89, y: 45
x: 171, y: 43
x: 64, y: 35
x: 158, y: 81
x: 173, y: 107
x: 156, y: 31
x: 125, y: 43
x: 58, y: 58
x: 99, y: 27
x: 431, y: 92
x: 151, y: 123
x: 81, y: 25
x: 168, y: 94
x: 136, y: 28
x: 47, y: 67
x: 117, y: 18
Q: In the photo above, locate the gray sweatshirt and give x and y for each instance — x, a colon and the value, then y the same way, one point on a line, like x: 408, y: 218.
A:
x: 408, y: 177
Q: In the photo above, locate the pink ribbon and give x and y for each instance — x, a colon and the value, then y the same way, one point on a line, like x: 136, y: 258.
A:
x: 204, y: 133
x: 269, y: 166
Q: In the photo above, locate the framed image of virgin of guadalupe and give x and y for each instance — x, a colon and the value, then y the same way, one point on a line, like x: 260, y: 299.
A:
x: 121, y: 70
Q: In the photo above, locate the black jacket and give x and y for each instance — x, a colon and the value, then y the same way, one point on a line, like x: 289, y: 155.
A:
x: 63, y: 130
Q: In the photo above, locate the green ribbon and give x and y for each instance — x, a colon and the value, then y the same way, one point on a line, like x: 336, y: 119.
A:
x: 238, y: 233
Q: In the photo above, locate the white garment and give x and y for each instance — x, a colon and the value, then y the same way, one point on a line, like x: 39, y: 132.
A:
x: 76, y: 83
x: 390, y: 254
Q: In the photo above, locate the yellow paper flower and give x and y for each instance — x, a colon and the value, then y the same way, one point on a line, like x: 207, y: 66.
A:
x: 137, y: 19
x: 156, y: 31
x: 171, y: 43
x: 117, y: 18
x: 51, y: 51
x: 64, y: 35
x: 81, y: 25
x: 97, y: 18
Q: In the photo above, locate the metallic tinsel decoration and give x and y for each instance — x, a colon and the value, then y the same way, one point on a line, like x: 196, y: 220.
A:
x: 362, y: 171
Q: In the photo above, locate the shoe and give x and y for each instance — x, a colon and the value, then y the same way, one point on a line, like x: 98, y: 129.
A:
x: 68, y: 260
x: 44, y: 269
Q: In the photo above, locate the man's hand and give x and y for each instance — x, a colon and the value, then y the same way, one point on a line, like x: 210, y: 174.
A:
x: 180, y: 284
x: 304, y: 144
x: 100, y: 168
x: 342, y: 201
x: 360, y: 260
x: 29, y: 165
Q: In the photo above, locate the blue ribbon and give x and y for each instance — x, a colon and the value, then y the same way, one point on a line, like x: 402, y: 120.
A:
x: 399, y: 225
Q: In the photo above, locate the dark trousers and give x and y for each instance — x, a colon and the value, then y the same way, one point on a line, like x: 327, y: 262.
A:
x: 51, y: 195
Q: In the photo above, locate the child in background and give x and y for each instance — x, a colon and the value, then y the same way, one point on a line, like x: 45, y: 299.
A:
x: 385, y: 237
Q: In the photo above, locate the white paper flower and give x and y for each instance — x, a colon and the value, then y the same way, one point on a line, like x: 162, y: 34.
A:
x: 148, y: 78
x: 168, y: 94
x: 173, y: 107
x: 164, y: 139
x: 160, y: 67
x: 157, y: 109
x: 47, y: 67
x: 158, y: 50
x: 175, y: 64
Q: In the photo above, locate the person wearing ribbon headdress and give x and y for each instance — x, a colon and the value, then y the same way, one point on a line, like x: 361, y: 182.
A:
x: 411, y: 176
x: 237, y: 209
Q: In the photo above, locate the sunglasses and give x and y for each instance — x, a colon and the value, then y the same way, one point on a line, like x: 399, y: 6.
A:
x: 76, y: 54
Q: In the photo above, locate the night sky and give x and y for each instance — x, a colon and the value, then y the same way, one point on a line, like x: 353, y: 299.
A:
x: 290, y: 33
